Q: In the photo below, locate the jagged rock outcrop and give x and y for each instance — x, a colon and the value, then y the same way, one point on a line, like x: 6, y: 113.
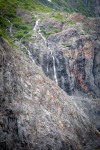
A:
x: 49, y: 77
x: 71, y: 56
x: 34, y: 112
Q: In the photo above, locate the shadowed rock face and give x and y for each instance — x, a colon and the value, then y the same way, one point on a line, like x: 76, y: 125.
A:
x: 71, y: 56
x: 34, y: 112
x: 36, y: 79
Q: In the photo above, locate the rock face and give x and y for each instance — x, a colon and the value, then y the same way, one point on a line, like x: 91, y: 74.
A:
x: 34, y: 112
x: 71, y: 56
x: 50, y: 84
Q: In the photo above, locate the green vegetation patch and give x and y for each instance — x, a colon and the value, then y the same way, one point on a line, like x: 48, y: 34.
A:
x: 81, y: 7
x: 70, y: 23
x: 8, y: 10
x: 50, y: 30
x: 22, y: 30
x: 58, y: 16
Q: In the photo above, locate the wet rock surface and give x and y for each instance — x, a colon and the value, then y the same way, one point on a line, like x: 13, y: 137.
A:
x: 71, y: 56
x: 34, y: 112
x: 50, y: 86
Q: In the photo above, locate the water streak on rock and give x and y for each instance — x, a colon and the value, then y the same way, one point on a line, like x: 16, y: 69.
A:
x: 22, y: 46
x: 10, y: 29
x: 38, y: 31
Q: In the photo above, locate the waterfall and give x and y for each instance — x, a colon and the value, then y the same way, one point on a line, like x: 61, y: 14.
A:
x: 47, y: 64
x: 30, y: 55
x: 44, y: 39
x: 36, y: 25
x: 24, y: 47
x: 54, y: 69
x: 10, y: 29
x: 38, y: 31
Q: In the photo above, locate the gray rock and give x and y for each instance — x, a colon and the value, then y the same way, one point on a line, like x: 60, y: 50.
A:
x: 34, y: 112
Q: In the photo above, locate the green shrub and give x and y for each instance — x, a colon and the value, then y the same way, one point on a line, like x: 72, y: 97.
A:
x: 58, y: 16
x: 8, y: 11
x: 19, y: 34
x: 51, y: 31
x: 3, y: 22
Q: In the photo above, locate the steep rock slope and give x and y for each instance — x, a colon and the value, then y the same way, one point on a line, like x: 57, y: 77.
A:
x: 34, y: 112
x: 53, y: 55
x: 68, y: 51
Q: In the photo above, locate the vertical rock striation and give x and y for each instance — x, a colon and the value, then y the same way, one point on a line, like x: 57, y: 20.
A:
x: 50, y: 84
x: 71, y: 56
x: 34, y: 112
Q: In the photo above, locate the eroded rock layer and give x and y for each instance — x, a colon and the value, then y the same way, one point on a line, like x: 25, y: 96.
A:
x: 70, y: 56
x: 34, y: 112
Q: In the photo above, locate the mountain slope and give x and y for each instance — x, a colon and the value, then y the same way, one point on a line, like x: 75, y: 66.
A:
x: 86, y: 7
x: 49, y: 77
x: 66, y: 49
x: 35, y: 113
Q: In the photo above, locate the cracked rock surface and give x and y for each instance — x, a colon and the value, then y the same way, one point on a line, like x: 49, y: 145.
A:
x: 50, y: 87
x: 34, y: 112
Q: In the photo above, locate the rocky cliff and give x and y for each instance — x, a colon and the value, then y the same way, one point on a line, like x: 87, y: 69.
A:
x: 49, y: 80
x: 68, y: 52
x: 34, y: 112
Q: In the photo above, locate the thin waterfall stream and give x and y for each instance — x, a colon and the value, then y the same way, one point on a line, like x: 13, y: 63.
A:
x: 38, y: 31
x: 24, y: 47
x: 10, y: 29
x: 54, y: 68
